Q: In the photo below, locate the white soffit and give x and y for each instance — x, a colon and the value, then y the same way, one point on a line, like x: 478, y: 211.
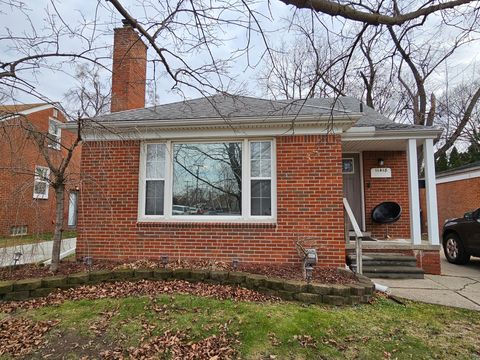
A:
x: 374, y: 145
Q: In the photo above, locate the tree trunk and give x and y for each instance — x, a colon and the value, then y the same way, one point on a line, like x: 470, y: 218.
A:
x: 57, y: 236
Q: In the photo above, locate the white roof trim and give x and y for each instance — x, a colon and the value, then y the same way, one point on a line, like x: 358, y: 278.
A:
x: 347, y: 119
x: 217, y: 127
x: 467, y: 174
x: 35, y: 109
x: 369, y: 133
x: 204, y: 132
x: 31, y: 111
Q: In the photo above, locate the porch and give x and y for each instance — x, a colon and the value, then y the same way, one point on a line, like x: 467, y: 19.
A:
x: 388, y: 171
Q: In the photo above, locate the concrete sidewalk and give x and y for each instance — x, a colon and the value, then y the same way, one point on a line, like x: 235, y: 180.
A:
x: 458, y: 286
x: 33, y: 253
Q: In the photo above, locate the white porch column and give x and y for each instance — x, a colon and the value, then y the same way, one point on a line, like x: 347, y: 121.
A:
x: 413, y: 194
x: 431, y: 192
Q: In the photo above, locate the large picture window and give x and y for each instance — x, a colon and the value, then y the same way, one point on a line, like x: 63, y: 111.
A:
x: 207, y: 181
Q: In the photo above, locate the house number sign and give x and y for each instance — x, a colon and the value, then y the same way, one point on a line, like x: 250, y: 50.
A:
x: 381, y: 172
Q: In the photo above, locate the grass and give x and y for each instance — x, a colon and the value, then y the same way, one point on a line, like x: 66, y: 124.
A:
x: 33, y: 238
x: 382, y: 330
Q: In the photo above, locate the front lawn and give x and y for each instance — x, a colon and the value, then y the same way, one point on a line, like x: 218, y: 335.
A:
x: 7, y: 241
x: 184, y: 324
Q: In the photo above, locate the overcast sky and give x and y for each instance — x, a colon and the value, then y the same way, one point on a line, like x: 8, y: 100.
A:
x: 54, y: 83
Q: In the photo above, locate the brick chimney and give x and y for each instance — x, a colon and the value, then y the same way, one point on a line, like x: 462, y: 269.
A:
x: 129, y: 70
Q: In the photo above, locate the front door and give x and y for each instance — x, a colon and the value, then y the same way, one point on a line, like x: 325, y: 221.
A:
x: 352, y: 186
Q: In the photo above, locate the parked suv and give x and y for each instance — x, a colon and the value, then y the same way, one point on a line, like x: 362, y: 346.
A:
x: 461, y: 237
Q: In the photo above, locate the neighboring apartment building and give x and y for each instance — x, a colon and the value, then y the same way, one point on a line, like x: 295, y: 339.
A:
x: 27, y: 201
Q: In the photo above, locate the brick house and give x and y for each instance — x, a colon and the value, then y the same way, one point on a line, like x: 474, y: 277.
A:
x: 27, y: 202
x: 228, y: 177
x: 458, y: 191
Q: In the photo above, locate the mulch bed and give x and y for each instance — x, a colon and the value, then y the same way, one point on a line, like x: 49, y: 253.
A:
x: 139, y: 288
x: 286, y: 271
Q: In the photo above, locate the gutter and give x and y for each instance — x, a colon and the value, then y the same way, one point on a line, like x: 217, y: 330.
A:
x: 347, y: 120
x: 370, y: 133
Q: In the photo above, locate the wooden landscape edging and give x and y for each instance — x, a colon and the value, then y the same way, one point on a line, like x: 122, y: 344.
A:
x: 349, y: 294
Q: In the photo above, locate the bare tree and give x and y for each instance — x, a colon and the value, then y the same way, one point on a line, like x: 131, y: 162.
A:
x: 17, y: 132
x: 179, y: 31
x: 91, y: 96
x: 379, y: 12
x: 34, y: 48
x: 458, y: 113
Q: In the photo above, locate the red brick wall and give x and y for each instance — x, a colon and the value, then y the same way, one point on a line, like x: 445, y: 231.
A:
x: 395, y: 189
x: 429, y: 261
x: 19, y: 156
x: 453, y: 199
x: 309, y: 207
x: 129, y: 70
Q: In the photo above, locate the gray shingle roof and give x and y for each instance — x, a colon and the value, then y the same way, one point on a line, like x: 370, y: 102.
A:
x: 228, y: 107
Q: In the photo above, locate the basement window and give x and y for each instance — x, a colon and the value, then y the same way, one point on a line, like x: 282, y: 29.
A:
x: 18, y: 230
x: 207, y: 181
x: 40, y: 184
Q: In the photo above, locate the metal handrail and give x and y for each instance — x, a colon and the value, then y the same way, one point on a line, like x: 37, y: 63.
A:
x: 358, y: 236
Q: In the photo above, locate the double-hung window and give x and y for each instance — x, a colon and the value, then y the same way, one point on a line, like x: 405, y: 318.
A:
x: 54, y: 134
x: 261, y: 178
x: 230, y: 180
x: 40, y: 183
x: 155, y: 179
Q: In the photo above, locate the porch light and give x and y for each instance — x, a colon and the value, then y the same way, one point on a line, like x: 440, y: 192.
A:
x: 164, y: 260
x: 235, y: 263
x: 381, y: 162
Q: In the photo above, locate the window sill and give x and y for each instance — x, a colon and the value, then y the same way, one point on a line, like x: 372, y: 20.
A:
x: 40, y: 197
x: 212, y: 224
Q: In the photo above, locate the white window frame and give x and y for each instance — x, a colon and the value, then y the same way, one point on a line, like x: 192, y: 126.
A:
x: 42, y: 180
x: 57, y: 135
x: 143, y: 181
x: 273, y: 185
x: 245, y: 217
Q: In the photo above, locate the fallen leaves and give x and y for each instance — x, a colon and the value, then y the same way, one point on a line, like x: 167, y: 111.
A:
x: 139, y: 288
x: 19, y: 336
x: 305, y: 341
x: 177, y: 345
x: 103, y: 323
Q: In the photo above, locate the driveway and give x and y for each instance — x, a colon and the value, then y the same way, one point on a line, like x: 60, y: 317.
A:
x: 33, y: 253
x: 458, y: 286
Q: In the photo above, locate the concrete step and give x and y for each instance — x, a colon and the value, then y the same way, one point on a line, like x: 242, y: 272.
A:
x: 393, y: 272
x: 390, y: 266
x: 385, y: 260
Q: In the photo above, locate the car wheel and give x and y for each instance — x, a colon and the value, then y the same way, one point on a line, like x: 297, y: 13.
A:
x: 454, y: 250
